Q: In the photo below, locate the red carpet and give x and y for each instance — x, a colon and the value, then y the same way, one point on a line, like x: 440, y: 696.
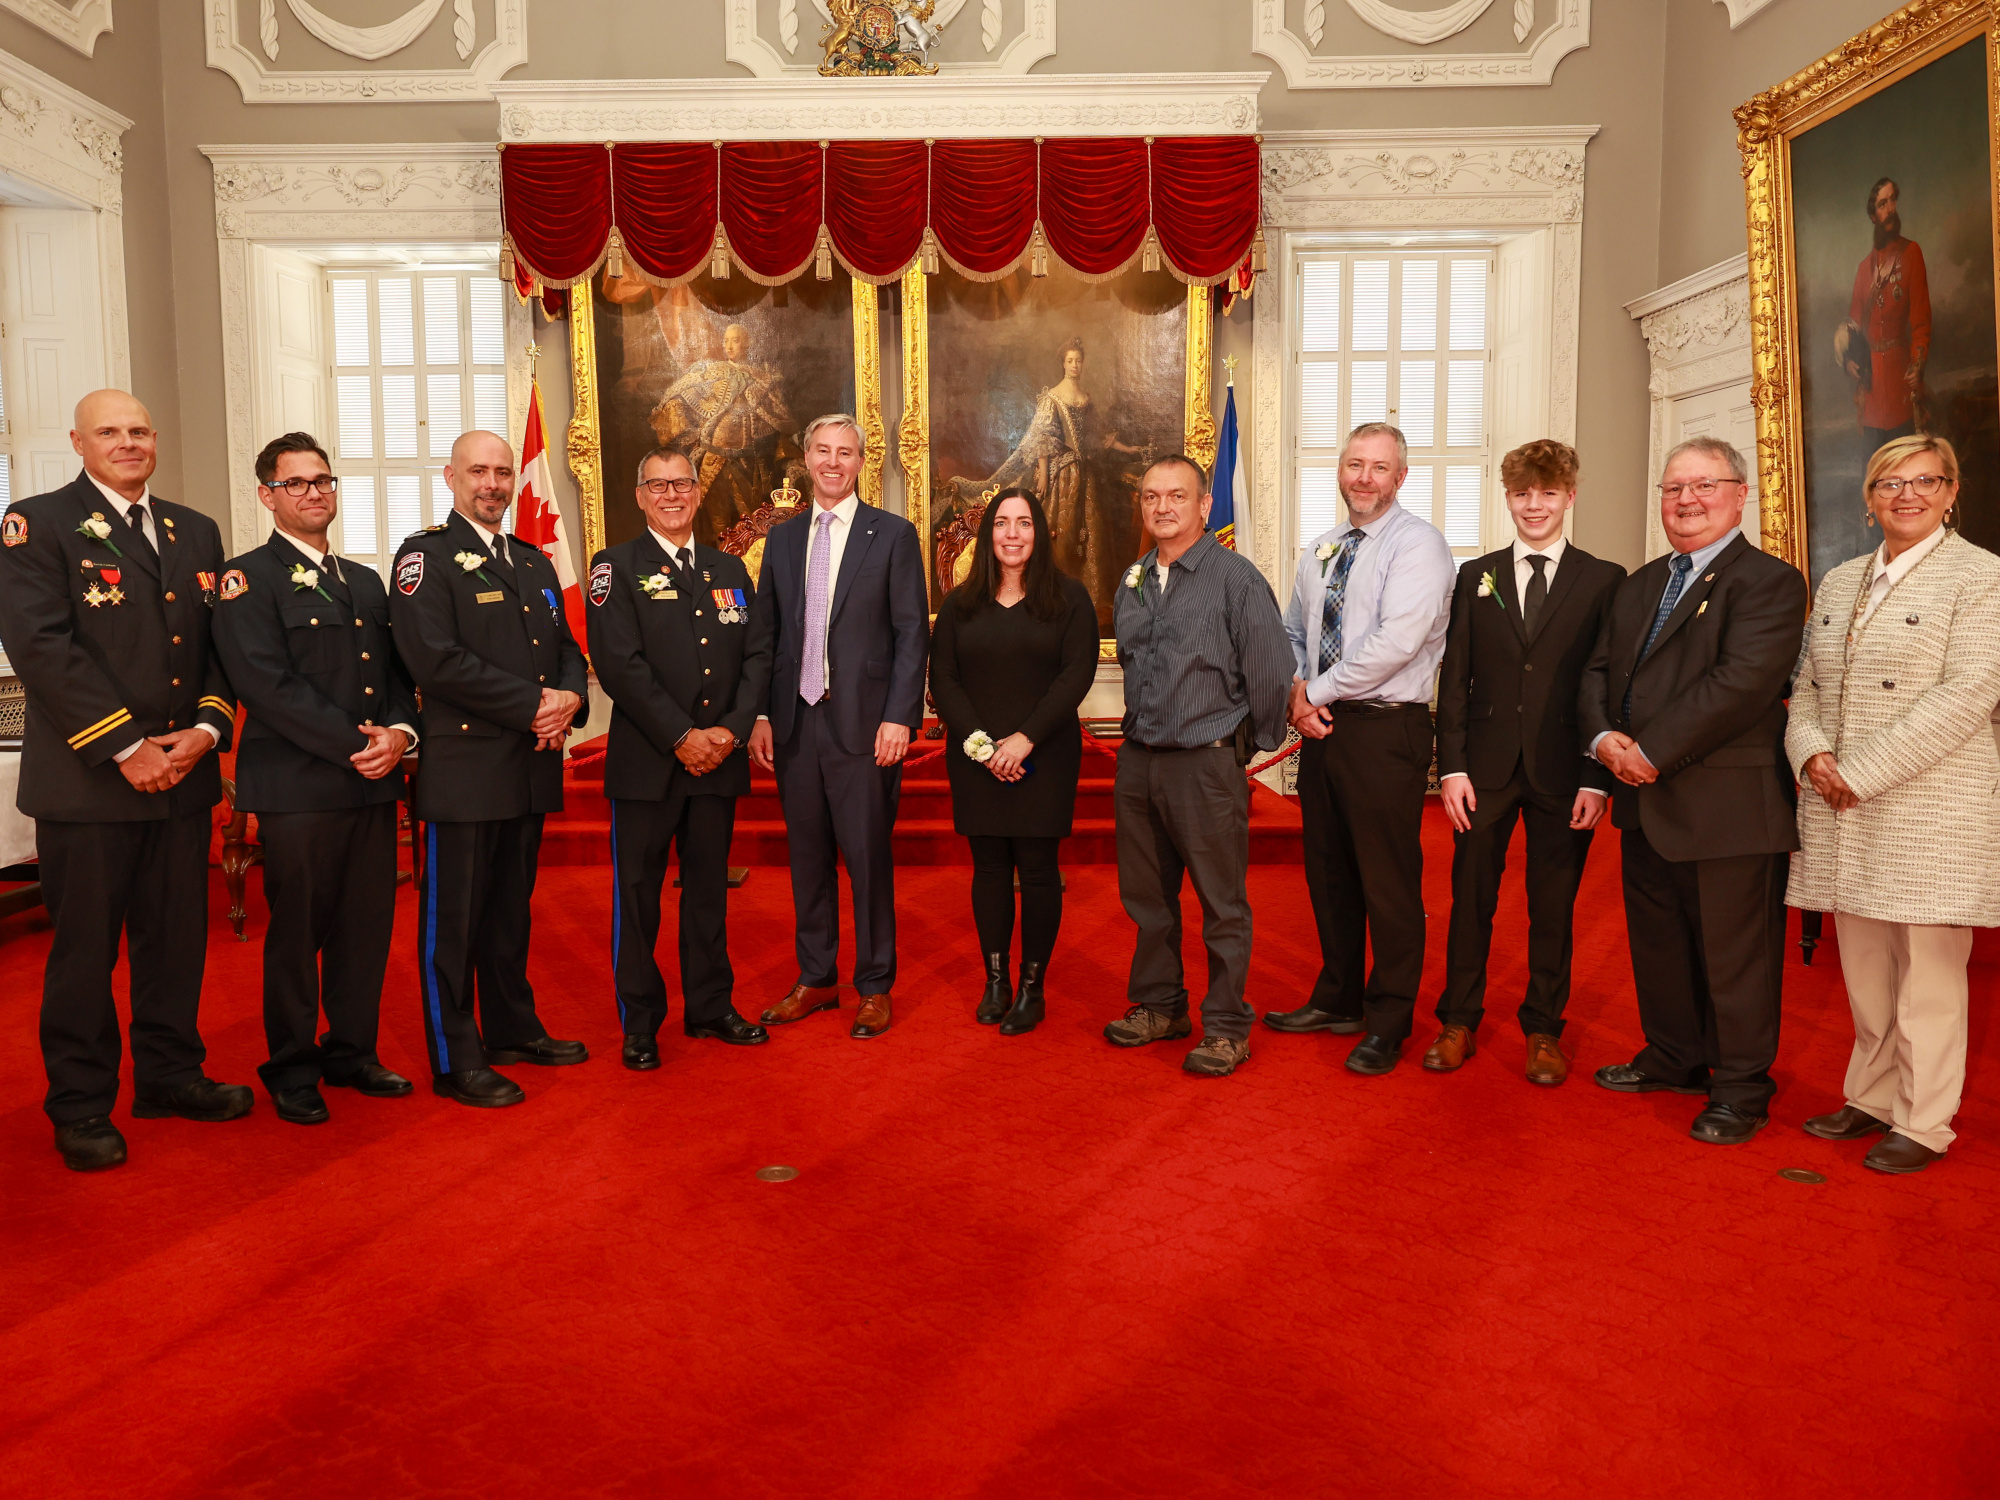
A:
x: 1032, y: 1266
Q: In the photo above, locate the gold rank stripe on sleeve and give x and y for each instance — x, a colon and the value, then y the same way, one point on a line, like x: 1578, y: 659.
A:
x: 220, y: 705
x: 98, y: 730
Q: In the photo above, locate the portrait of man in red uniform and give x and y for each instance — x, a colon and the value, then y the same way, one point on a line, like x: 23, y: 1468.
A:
x: 1888, y: 332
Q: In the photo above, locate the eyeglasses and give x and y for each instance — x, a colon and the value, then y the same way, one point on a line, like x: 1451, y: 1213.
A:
x: 658, y: 488
x: 1926, y: 485
x: 326, y: 484
x: 1701, y: 489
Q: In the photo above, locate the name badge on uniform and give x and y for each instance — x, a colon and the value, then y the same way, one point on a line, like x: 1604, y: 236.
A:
x: 729, y: 606
x: 493, y: 598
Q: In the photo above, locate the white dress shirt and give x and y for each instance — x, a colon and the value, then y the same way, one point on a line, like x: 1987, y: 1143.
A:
x: 1888, y: 572
x: 837, y: 532
x: 319, y: 560
x: 1393, y: 621
x: 150, y: 527
x: 677, y: 555
x: 489, y: 538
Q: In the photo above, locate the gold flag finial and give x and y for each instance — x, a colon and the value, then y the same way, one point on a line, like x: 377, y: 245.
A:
x: 1229, y: 367
x: 534, y: 354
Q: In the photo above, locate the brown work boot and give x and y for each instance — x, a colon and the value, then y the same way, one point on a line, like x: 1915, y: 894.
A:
x: 872, y: 1019
x: 1139, y: 1026
x: 1217, y: 1056
x: 801, y: 1002
x: 1546, y: 1063
x: 1448, y: 1053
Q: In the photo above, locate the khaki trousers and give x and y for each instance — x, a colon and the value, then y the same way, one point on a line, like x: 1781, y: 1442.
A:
x: 1907, y: 988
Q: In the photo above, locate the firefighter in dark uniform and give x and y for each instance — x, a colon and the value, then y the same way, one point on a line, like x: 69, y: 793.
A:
x: 479, y: 621
x: 105, y: 593
x: 673, y: 644
x: 329, y: 713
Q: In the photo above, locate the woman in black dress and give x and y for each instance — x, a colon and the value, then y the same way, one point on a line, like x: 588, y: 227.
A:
x: 1014, y: 652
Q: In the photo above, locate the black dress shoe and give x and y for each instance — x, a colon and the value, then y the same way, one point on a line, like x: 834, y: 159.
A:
x: 1623, y: 1078
x: 1845, y: 1124
x: 1726, y: 1125
x: 732, y: 1029
x: 204, y: 1099
x: 999, y: 991
x: 374, y: 1080
x: 1374, y: 1054
x: 90, y: 1145
x: 1029, y: 1004
x: 641, y: 1053
x: 543, y: 1051
x: 482, y: 1088
x: 300, y: 1106
x: 1307, y: 1018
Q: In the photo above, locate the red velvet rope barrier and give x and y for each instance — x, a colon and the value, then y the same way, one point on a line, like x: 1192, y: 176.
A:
x: 1094, y: 198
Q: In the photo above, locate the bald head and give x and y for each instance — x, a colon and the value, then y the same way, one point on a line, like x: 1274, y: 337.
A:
x: 115, y: 438
x: 481, y: 477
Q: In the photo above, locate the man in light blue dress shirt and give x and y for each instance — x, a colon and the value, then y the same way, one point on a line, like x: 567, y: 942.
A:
x: 1367, y: 623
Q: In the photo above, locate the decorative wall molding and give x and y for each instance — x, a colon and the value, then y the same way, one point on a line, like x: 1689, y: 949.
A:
x: 69, y: 145
x: 797, y: 47
x: 1306, y: 69
x: 79, y: 23
x: 1420, y: 28
x: 1334, y: 182
x: 1742, y: 10
x: 990, y: 104
x: 430, y: 193
x: 503, y: 22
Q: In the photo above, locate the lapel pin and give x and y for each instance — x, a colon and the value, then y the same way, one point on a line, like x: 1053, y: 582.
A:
x: 1702, y: 610
x: 1709, y: 578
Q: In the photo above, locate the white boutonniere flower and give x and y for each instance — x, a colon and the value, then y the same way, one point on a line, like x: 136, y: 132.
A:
x: 1135, y: 576
x: 978, y: 746
x: 1489, y: 588
x: 657, y: 584
x: 98, y: 530
x: 1325, y: 553
x: 304, y: 578
x: 472, y: 562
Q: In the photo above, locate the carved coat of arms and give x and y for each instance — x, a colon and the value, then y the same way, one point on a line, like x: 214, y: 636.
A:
x: 867, y: 38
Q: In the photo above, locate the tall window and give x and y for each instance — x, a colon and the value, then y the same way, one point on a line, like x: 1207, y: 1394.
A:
x: 418, y: 358
x: 1403, y: 338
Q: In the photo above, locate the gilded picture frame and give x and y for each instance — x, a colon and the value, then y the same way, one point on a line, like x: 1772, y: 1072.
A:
x: 1809, y: 353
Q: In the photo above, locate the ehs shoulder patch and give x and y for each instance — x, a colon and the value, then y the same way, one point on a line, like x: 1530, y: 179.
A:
x: 234, y: 584
x: 14, y: 529
x: 600, y: 583
x: 409, y: 571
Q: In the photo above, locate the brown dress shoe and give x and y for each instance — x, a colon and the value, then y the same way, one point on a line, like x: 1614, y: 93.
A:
x: 872, y: 1019
x: 1898, y: 1153
x: 1448, y: 1053
x: 1546, y: 1063
x: 1845, y: 1124
x: 803, y: 1000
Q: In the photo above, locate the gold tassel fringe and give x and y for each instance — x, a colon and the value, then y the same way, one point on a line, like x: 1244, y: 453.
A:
x: 1149, y: 254
x: 718, y: 257
x: 1258, y: 255
x: 823, y: 256
x: 614, y: 256
x: 1038, y: 253
x: 928, y: 255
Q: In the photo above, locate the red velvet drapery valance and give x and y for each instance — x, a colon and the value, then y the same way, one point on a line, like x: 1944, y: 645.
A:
x: 666, y: 211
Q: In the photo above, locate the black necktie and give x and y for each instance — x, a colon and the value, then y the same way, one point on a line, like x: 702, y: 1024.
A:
x: 1538, y: 590
x: 500, y: 553
x: 135, y: 517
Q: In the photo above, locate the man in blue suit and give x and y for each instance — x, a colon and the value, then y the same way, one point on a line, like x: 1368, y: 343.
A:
x: 843, y: 595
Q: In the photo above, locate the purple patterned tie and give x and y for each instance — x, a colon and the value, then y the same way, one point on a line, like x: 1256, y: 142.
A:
x: 812, y: 669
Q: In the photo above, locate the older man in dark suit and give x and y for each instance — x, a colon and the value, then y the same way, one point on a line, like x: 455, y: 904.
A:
x: 1684, y: 701
x: 844, y: 598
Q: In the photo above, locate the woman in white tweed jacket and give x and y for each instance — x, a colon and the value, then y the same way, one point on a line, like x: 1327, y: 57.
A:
x: 1892, y: 737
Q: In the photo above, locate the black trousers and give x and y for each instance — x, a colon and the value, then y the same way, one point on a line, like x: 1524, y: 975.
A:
x: 642, y: 834
x: 1185, y: 813
x: 472, y: 938
x: 1361, y: 792
x: 149, y: 882
x: 994, y: 863
x: 1556, y: 853
x: 1708, y: 962
x: 839, y: 803
x: 330, y: 881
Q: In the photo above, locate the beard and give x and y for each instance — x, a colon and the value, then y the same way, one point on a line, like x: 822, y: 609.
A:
x: 1888, y: 230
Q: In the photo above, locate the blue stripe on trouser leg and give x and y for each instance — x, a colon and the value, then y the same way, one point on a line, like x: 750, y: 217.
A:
x: 433, y: 1011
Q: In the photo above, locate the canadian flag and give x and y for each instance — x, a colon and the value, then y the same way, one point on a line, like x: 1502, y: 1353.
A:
x: 538, y: 519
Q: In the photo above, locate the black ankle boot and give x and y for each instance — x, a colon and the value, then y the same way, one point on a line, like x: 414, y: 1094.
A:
x: 1028, y: 1006
x: 993, y: 1004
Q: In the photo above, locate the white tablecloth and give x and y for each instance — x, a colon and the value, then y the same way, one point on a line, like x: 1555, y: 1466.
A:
x: 17, y: 834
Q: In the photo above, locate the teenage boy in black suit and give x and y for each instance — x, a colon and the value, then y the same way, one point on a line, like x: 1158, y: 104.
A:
x: 1524, y: 620
x: 329, y: 715
x: 686, y: 665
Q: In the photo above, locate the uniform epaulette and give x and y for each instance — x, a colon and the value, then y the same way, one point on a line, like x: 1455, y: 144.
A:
x: 433, y: 530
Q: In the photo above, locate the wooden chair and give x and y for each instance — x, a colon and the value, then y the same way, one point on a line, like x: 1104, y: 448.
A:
x: 240, y: 850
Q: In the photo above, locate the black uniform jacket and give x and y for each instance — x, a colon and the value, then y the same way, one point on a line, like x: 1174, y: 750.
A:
x: 1508, y: 697
x: 674, y: 658
x: 1708, y: 703
x: 310, y: 665
x: 111, y: 643
x: 482, y: 643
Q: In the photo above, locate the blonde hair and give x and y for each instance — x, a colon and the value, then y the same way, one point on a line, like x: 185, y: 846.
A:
x: 1898, y: 451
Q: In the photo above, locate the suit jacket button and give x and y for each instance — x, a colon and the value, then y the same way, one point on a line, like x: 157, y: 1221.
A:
x: 534, y: 643
x: 705, y: 671
x: 465, y: 726
x: 313, y: 621
x: 364, y: 656
x: 541, y: 679
x: 369, y: 691
x: 1527, y: 666
x: 170, y: 723
x: 177, y: 683
x: 170, y: 596
x: 1888, y: 684
x: 704, y: 640
x: 357, y: 622
x: 177, y: 639
x: 1909, y: 619
x: 697, y: 614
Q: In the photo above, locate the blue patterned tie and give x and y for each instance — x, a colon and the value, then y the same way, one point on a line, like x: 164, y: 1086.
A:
x: 1679, y: 568
x: 1336, y: 599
